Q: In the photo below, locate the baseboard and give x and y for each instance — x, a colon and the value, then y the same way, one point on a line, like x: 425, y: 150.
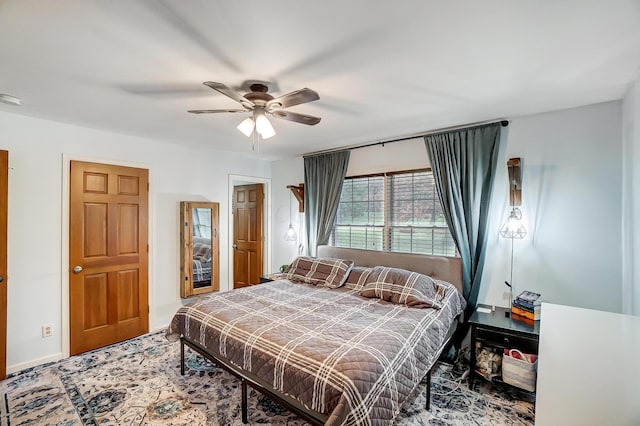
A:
x: 33, y: 363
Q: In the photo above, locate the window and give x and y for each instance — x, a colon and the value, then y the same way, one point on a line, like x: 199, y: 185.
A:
x: 393, y: 212
x: 360, y: 217
x: 202, y: 222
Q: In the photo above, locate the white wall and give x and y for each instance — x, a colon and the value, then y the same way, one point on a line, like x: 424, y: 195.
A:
x: 631, y: 200
x: 391, y: 157
x: 285, y: 172
x: 572, y: 204
x: 35, y: 241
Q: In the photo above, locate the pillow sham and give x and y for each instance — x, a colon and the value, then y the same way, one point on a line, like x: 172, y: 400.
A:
x: 358, y: 277
x: 201, y: 252
x: 329, y: 272
x: 403, y: 287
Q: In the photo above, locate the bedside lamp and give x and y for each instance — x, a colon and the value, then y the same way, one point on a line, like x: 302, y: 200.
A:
x: 513, y: 228
x: 291, y: 234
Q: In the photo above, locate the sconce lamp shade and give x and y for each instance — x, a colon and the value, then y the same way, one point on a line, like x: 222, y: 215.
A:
x: 291, y: 234
x: 260, y: 123
x: 513, y: 227
x: 246, y: 126
x: 264, y: 127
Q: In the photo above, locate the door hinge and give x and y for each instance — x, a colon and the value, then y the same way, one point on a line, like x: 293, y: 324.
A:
x: 147, y: 248
x: 147, y: 186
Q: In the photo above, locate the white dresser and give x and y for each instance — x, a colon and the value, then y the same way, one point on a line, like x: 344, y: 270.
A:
x: 589, y: 368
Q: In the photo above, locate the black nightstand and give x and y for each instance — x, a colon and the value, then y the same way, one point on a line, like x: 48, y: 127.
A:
x: 265, y: 279
x: 499, y: 331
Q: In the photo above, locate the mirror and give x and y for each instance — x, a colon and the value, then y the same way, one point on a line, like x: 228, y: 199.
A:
x: 199, y: 250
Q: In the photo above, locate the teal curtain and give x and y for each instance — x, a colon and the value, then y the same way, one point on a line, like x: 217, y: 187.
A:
x: 323, y: 178
x: 464, y: 167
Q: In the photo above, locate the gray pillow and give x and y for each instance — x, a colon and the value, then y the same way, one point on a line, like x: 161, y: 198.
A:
x: 403, y: 287
x: 329, y: 272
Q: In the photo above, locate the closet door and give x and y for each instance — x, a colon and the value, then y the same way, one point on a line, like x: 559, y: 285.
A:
x: 108, y: 252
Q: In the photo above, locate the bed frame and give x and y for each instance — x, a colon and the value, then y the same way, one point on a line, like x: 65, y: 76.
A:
x: 444, y: 268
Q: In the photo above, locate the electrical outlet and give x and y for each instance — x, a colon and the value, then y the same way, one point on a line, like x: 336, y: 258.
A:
x: 47, y: 330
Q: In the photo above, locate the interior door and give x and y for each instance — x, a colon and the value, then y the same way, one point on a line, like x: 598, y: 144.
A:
x: 4, y: 179
x: 247, y: 234
x: 108, y: 255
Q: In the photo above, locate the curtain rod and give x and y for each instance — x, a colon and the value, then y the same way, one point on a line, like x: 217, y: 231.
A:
x: 503, y: 123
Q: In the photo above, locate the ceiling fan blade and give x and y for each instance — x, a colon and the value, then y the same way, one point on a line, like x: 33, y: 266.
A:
x: 213, y: 111
x: 298, y: 97
x: 298, y: 118
x: 219, y: 87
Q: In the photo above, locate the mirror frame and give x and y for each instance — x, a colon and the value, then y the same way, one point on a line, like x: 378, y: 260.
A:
x: 186, y: 248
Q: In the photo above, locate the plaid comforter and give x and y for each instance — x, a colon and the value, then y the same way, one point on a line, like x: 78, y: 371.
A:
x: 354, y: 359
x: 201, y: 270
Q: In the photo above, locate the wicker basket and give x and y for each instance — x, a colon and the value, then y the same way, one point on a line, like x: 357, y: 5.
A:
x: 519, y: 371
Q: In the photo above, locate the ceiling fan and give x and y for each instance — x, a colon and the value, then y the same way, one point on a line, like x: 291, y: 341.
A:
x: 261, y: 104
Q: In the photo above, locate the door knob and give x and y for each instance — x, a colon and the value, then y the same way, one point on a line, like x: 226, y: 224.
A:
x: 235, y: 246
x: 77, y: 269
x: 1, y: 279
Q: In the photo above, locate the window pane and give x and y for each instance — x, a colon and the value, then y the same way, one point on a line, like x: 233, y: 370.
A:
x: 432, y: 240
x: 342, y: 236
x: 376, y: 213
x: 347, y: 191
x: 401, y: 239
x: 376, y: 188
x: 364, y: 237
x: 345, y: 213
x: 360, y: 189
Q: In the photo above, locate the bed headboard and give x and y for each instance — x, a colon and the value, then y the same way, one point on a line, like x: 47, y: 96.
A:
x: 439, y: 267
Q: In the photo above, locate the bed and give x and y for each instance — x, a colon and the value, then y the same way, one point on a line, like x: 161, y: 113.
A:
x: 327, y: 354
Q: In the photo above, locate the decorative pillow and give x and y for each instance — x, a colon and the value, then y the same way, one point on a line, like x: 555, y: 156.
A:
x: 331, y: 273
x: 357, y: 277
x: 201, y: 252
x: 403, y: 287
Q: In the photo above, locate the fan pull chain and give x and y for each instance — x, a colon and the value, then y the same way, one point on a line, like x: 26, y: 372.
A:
x: 253, y: 141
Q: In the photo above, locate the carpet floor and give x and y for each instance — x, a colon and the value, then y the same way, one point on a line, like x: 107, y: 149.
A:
x: 138, y: 382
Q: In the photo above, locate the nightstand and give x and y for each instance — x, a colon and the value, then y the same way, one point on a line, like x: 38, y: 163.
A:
x: 496, y: 330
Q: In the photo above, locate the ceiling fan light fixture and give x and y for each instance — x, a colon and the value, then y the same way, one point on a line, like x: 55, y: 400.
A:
x: 10, y: 100
x: 259, y: 103
x: 246, y: 126
x: 264, y: 127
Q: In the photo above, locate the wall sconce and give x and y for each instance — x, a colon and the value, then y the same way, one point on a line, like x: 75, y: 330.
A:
x: 291, y: 234
x: 513, y: 228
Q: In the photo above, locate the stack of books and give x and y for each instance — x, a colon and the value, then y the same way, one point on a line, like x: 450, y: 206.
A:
x: 527, y: 305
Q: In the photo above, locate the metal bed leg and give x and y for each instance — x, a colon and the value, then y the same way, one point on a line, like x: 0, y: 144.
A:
x: 428, y: 403
x: 245, y: 419
x: 182, y: 357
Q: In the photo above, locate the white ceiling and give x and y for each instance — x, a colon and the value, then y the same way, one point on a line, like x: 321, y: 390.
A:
x: 383, y: 69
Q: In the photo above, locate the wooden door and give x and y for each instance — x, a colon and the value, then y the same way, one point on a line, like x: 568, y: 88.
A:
x: 108, y: 255
x: 247, y: 234
x: 4, y: 178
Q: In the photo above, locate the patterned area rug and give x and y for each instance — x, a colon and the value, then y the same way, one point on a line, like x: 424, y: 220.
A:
x: 138, y: 382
